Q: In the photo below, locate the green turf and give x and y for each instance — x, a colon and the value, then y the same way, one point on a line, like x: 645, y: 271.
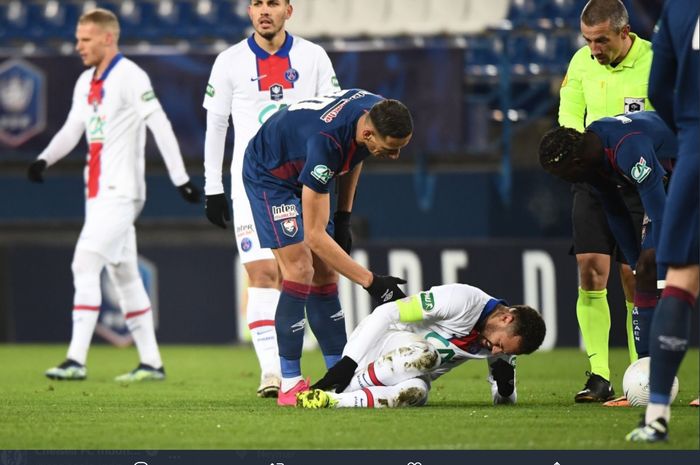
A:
x: 208, y: 402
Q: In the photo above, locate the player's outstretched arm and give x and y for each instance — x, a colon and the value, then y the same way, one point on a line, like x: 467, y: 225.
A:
x: 62, y: 143
x: 347, y: 188
x: 162, y: 131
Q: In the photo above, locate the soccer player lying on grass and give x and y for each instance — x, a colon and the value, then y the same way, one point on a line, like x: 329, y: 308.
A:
x: 396, y: 352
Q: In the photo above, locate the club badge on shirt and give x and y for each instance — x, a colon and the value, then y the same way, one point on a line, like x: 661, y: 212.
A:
x: 634, y: 104
x: 276, y: 92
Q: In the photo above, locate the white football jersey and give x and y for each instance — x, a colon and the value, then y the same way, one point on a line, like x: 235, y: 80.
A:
x: 113, y: 110
x: 444, y: 316
x: 249, y: 84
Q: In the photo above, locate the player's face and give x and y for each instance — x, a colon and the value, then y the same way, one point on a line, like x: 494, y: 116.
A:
x: 497, y: 336
x: 385, y: 147
x: 91, y: 43
x: 268, y: 16
x: 605, y: 44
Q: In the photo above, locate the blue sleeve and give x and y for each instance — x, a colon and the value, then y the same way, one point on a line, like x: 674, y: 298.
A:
x: 620, y: 221
x: 322, y: 163
x: 639, y: 163
x: 662, y: 77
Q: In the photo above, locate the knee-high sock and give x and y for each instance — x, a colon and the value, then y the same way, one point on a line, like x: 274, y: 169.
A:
x: 670, y: 332
x: 136, y: 306
x: 327, y: 321
x: 290, y: 323
x: 593, y: 315
x: 644, y: 304
x: 399, y: 365
x: 260, y: 314
x: 408, y: 393
x: 86, y: 267
x: 630, y: 332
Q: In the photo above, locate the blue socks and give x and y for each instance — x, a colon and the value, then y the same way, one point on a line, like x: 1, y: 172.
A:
x: 289, y: 324
x: 642, y: 315
x: 670, y: 332
x: 327, y: 321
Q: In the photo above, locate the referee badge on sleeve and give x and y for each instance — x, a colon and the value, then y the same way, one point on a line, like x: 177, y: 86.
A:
x: 633, y: 104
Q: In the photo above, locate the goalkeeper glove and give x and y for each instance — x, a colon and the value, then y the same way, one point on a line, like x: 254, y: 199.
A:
x: 216, y: 208
x: 343, y: 234
x: 338, y: 376
x: 36, y: 170
x: 385, y: 288
x: 190, y: 192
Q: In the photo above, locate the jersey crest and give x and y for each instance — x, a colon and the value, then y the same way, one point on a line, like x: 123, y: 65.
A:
x: 640, y: 171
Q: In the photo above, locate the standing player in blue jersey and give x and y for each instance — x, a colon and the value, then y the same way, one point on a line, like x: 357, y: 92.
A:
x: 629, y: 150
x: 287, y: 171
x: 676, y: 60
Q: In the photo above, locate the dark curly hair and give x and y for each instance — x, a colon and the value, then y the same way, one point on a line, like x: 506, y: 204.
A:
x: 529, y: 325
x: 391, y: 118
x: 558, y: 146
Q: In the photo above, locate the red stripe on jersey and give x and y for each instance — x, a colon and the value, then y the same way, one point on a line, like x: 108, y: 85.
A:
x: 94, y: 168
x: 273, y: 69
x: 289, y: 170
x: 137, y: 313
x: 465, y: 341
x: 259, y: 323
x: 96, y: 92
x: 92, y: 308
x: 372, y: 375
x: 370, y: 397
x: 348, y: 160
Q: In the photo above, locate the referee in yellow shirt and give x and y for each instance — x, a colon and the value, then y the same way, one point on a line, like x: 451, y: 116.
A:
x: 607, y: 77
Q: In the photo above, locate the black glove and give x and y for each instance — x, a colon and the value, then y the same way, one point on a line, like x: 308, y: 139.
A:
x: 338, y: 376
x: 35, y: 171
x: 190, y: 192
x: 217, y: 210
x: 343, y: 234
x: 385, y: 288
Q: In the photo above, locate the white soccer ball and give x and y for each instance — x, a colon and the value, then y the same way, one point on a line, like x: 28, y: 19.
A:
x: 635, y: 383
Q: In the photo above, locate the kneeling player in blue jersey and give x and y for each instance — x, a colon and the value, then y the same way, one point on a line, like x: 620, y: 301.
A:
x: 287, y: 171
x: 396, y: 352
x: 637, y: 149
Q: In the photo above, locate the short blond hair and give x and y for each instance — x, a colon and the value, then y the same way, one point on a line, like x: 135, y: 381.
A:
x: 103, y: 18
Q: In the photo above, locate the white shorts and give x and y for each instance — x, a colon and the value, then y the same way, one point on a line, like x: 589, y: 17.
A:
x: 247, y: 240
x: 109, y: 227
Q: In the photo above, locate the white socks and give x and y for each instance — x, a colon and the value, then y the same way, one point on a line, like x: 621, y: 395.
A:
x: 260, y: 315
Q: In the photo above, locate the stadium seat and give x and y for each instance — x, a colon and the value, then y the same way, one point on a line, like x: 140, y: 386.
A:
x: 409, y: 17
x: 319, y: 18
x: 360, y: 24
x: 469, y: 16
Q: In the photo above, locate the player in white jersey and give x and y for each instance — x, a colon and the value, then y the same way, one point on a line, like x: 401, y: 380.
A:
x: 250, y: 81
x: 394, y: 354
x: 113, y: 102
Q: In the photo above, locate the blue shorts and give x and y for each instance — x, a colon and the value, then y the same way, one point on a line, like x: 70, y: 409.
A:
x: 276, y: 209
x: 679, y: 231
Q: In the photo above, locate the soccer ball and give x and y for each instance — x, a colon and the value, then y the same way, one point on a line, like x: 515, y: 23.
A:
x: 635, y: 383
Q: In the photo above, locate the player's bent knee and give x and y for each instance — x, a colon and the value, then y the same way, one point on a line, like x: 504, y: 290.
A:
x: 425, y: 355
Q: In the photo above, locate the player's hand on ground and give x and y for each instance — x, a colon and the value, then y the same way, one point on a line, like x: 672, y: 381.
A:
x: 216, y: 208
x: 385, y: 288
x: 338, y: 376
x: 35, y: 173
x: 190, y: 192
x: 343, y: 234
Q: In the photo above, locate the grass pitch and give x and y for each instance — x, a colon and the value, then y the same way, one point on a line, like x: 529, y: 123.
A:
x: 208, y: 402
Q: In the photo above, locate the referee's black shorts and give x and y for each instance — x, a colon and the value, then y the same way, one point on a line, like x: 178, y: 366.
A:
x: 591, y: 231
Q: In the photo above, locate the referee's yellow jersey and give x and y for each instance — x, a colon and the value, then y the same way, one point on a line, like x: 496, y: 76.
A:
x: 591, y: 91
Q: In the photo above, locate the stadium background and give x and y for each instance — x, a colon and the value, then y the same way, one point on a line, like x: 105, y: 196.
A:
x: 467, y: 201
